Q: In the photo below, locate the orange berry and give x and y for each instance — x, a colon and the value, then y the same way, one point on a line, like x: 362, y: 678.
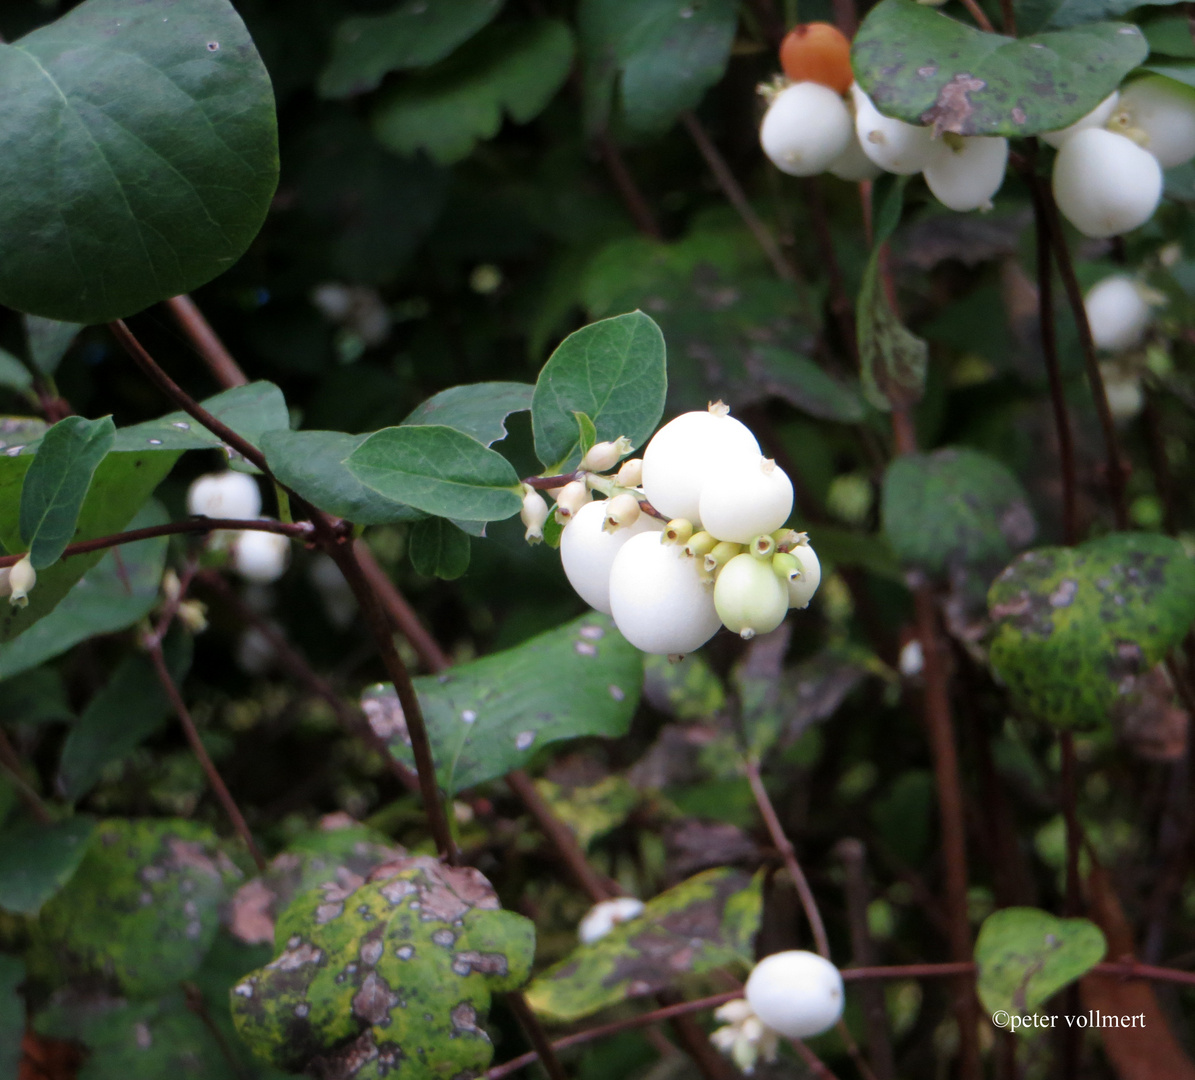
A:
x: 817, y: 52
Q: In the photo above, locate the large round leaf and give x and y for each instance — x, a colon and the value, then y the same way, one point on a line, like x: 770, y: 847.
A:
x: 140, y: 156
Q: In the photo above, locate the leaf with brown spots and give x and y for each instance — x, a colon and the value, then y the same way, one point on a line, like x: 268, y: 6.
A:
x: 396, y: 970
x: 1077, y: 630
x: 925, y: 68
x: 702, y: 924
x: 492, y: 715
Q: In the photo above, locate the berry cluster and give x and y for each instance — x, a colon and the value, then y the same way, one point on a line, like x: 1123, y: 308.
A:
x: 1107, y: 175
x: 689, y: 538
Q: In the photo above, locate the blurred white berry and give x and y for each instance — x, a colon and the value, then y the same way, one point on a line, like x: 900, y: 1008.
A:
x: 1160, y: 114
x: 912, y: 659
x: 260, y: 557
x: 1105, y: 184
x: 658, y: 599
x: 587, y: 551
x: 964, y: 173
x: 895, y: 146
x: 606, y: 915
x: 683, y: 451
x: 853, y: 164
x: 1098, y: 117
x: 742, y: 498
x: 806, y: 129
x: 1118, y: 313
x: 796, y: 993
x: 225, y: 495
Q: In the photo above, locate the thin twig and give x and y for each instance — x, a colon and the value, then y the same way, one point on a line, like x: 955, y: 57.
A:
x: 10, y: 763
x: 632, y: 197
x: 197, y: 1005
x: 534, y: 1030
x: 776, y: 831
x: 218, y: 359
x: 1008, y: 16
x: 737, y: 198
x: 840, y: 302
x: 301, y: 530
x: 979, y: 15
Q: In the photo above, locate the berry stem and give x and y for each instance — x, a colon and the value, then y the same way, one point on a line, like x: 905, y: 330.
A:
x: 980, y: 16
x: 210, y: 348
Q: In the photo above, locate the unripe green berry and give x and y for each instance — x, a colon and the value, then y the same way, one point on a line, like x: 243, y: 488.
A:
x: 701, y: 544
x: 750, y: 599
x: 678, y: 531
x: 720, y: 554
x: 802, y: 588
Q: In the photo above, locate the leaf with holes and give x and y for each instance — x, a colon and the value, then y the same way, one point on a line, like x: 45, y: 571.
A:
x: 413, y: 35
x: 1026, y: 956
x: 142, y: 153
x: 1078, y: 629
x: 141, y: 910
x: 924, y: 67
x: 478, y: 409
x: 955, y: 507
x: 703, y: 924
x: 654, y: 57
x: 393, y: 973
x: 491, y: 715
x: 510, y: 70
x: 615, y: 372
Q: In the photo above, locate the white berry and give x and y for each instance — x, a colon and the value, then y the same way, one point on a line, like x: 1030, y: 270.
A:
x: 606, y: 915
x: 802, y: 588
x: 260, y: 557
x: 796, y: 993
x: 225, y: 495
x: 680, y: 454
x: 1161, y: 113
x: 1118, y: 313
x: 1098, y: 117
x: 853, y: 164
x: 806, y: 128
x: 893, y: 145
x: 741, y: 499
x: 1105, y: 184
x: 749, y: 596
x: 587, y: 551
x: 964, y: 173
x: 657, y: 597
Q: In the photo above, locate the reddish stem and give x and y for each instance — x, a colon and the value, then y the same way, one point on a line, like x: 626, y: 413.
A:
x: 632, y: 197
x: 979, y: 15
x: 530, y: 1024
x: 218, y: 359
x: 10, y: 762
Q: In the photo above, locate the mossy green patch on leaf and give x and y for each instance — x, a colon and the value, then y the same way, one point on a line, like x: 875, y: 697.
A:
x: 392, y: 974
x: 1077, y: 629
x: 704, y: 923
x: 593, y: 810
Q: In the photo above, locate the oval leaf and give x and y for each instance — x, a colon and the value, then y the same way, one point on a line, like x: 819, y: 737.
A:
x: 490, y: 716
x: 615, y: 372
x: 477, y: 409
x: 1078, y: 628
x: 1026, y: 956
x: 927, y: 68
x: 37, y: 860
x: 439, y: 549
x: 437, y: 470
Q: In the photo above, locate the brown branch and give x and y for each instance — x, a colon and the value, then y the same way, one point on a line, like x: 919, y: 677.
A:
x: 299, y: 531
x: 1115, y: 468
x: 737, y: 198
x: 210, y: 348
x: 10, y: 762
x: 632, y: 197
x: 841, y: 305
x: 534, y: 1030
x: 979, y: 15
x: 183, y: 400
x: 1008, y: 16
x: 788, y: 854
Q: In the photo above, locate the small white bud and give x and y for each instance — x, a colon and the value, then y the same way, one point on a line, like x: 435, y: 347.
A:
x: 605, y: 455
x: 606, y: 915
x: 631, y: 473
x: 260, y: 557
x: 622, y: 510
x: 533, y: 514
x: 21, y: 579
x: 225, y: 495
x: 570, y: 499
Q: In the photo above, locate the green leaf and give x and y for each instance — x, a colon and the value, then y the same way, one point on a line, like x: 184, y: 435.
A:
x: 799, y: 381
x: 119, y: 718
x: 924, y: 67
x: 1076, y: 629
x: 57, y: 483
x: 1179, y: 70
x: 490, y: 716
x: 955, y: 507
x: 1169, y: 35
x: 399, y: 968
x: 142, y: 154
x: 662, y: 55
x: 702, y: 924
x: 37, y: 860
x: 439, y: 549
x: 1026, y: 956
x: 142, y: 909
x: 513, y: 69
x: 35, y: 697
x: 250, y: 411
x: 893, y: 359
x: 12, y: 1016
x: 48, y: 341
x: 615, y: 372
x: 437, y: 470
x: 1035, y: 15
x: 477, y: 409
x: 592, y: 810
x: 413, y: 35
x: 586, y: 434
x: 13, y: 374
x: 115, y: 593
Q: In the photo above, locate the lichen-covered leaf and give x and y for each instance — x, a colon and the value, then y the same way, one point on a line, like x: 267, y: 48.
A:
x: 395, y: 973
x: 141, y: 910
x: 1078, y: 629
x: 593, y: 810
x: 704, y: 923
x: 924, y: 67
x: 491, y: 715
x: 1025, y: 956
x: 892, y: 359
x: 955, y: 507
